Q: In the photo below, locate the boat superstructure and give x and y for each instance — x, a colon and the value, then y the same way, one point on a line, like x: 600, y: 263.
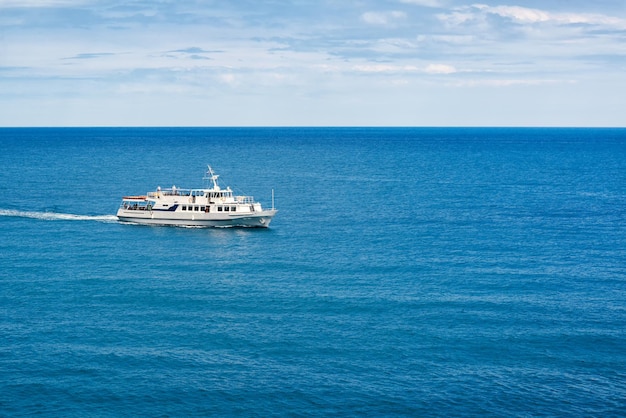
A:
x: 211, y: 206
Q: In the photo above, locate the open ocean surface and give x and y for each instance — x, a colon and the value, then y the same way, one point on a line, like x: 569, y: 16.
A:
x: 408, y: 272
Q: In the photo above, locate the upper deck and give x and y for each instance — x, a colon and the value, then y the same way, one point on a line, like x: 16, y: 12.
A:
x: 211, y: 195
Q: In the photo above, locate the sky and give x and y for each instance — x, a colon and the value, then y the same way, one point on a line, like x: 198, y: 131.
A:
x: 312, y: 63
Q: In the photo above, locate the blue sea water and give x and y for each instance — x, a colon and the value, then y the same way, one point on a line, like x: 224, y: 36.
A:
x: 408, y: 272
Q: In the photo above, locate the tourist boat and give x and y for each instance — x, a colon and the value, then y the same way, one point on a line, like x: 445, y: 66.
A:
x: 206, y: 207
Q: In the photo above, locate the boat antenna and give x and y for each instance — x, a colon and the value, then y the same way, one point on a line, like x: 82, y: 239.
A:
x: 210, y: 176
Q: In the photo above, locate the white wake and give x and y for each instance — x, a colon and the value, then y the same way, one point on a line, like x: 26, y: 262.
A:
x: 53, y: 216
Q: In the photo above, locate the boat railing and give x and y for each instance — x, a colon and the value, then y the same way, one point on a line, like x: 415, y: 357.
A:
x: 170, y: 192
x: 244, y: 199
x: 198, y: 193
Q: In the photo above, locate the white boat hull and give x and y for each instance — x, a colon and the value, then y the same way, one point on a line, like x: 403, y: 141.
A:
x: 249, y: 220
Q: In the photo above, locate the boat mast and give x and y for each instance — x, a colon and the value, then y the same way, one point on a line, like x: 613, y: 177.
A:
x: 212, y: 177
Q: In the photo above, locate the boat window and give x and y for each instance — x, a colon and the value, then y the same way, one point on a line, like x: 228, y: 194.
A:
x: 219, y: 208
x: 196, y: 208
x: 233, y: 208
x: 202, y: 208
x: 184, y: 207
x: 226, y: 208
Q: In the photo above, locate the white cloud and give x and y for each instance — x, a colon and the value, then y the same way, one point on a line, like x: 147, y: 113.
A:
x: 389, y: 68
x: 382, y: 18
x: 525, y: 15
x: 457, y: 17
x: 41, y: 3
x: 425, y: 3
x: 510, y: 82
x: 228, y: 78
x: 440, y: 69
x: 520, y: 14
x: 379, y: 68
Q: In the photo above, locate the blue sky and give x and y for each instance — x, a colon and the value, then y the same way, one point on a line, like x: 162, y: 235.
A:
x: 312, y: 63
